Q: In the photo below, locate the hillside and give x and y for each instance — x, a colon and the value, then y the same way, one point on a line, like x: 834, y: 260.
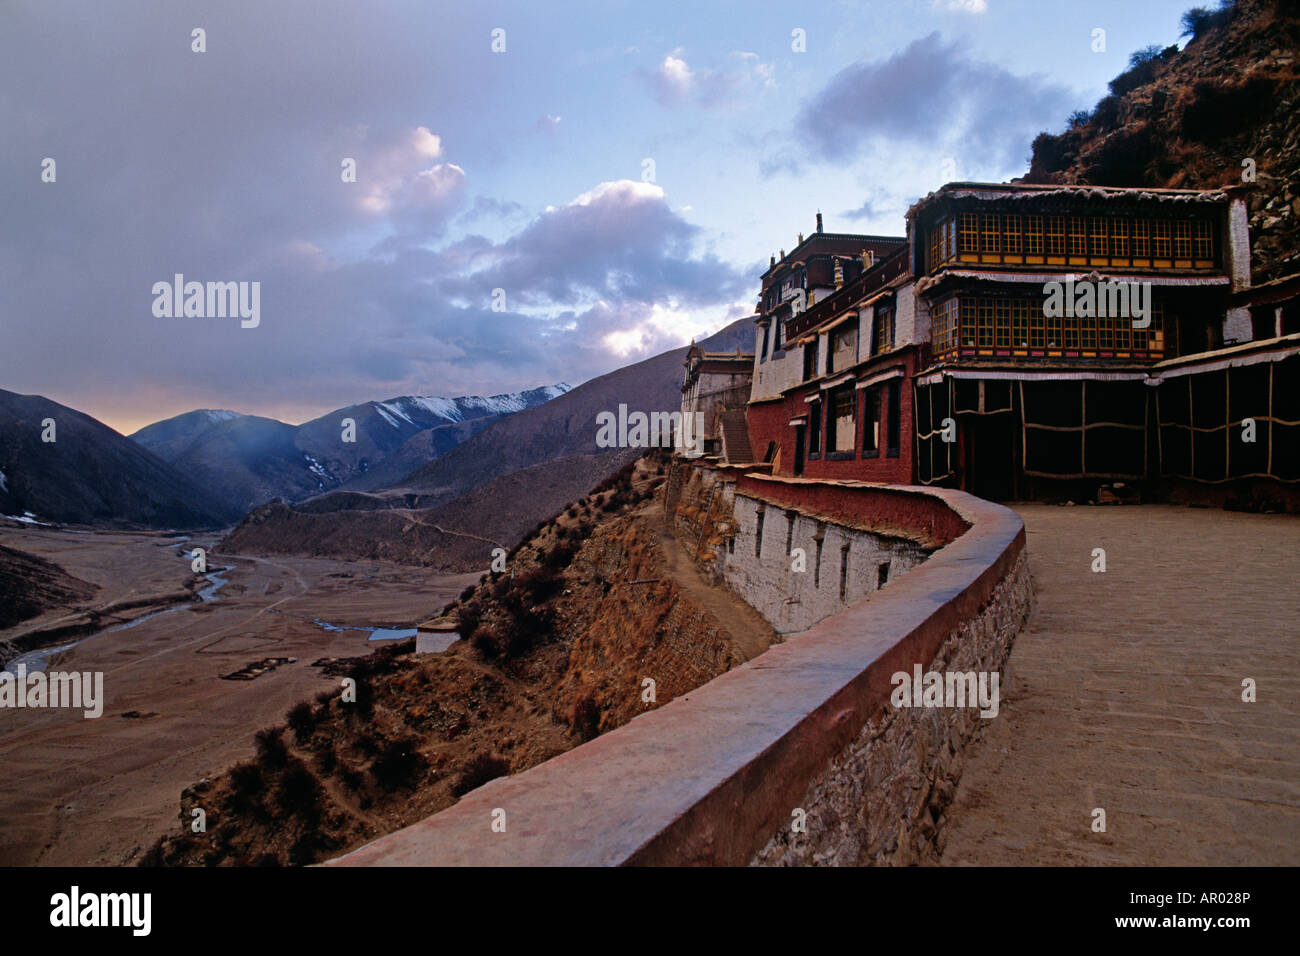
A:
x: 92, y: 475
x: 1190, y: 118
x: 248, y: 460
x: 29, y: 584
x: 558, y: 648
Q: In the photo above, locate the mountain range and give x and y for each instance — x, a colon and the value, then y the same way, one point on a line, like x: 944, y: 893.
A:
x: 247, y: 460
x: 490, y: 489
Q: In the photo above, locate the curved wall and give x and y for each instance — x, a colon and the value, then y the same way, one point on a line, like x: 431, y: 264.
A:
x: 719, y: 775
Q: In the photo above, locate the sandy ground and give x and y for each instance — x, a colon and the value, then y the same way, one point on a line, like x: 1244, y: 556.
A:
x: 79, y: 791
x: 1127, y: 696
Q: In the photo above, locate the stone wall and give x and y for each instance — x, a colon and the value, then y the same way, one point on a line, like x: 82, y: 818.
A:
x: 883, y: 798
x: 838, y: 565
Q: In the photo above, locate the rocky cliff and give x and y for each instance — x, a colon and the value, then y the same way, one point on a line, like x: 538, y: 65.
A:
x: 1218, y: 112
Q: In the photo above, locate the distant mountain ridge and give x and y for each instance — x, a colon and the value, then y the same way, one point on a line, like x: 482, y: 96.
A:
x: 90, y: 474
x: 248, y: 460
x: 490, y: 488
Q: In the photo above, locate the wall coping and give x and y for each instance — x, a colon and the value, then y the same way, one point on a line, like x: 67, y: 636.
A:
x: 710, y: 776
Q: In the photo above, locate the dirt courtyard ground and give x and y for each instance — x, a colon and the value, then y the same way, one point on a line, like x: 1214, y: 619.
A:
x: 1126, y: 696
x: 98, y: 791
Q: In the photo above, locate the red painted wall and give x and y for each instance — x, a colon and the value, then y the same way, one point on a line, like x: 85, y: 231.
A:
x: 770, y: 421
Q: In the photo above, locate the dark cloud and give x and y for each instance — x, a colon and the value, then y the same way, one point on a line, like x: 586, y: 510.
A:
x: 930, y: 95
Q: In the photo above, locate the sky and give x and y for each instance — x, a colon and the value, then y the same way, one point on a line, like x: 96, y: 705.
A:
x: 543, y: 192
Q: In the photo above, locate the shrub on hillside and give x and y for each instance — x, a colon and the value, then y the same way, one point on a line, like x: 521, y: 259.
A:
x: 585, y: 719
x: 398, y: 764
x: 481, y: 768
x: 302, y: 721
x: 271, y: 750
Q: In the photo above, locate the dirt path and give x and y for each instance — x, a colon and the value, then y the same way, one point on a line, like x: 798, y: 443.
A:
x: 1127, y: 696
x: 750, y: 631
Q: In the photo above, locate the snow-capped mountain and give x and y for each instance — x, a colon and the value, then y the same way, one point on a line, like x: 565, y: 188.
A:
x: 247, y: 460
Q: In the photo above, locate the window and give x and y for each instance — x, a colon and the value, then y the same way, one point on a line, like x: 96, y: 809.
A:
x: 1097, y: 236
x: 839, y: 424
x: 1106, y: 330
x: 1020, y: 322
x: 950, y: 234
x: 844, y: 570
x: 871, y: 422
x: 1122, y: 335
x: 1142, y: 238
x: 1160, y: 237
x: 944, y: 328
x: 894, y: 430
x: 1034, y: 235
x: 985, y: 323
x: 1070, y: 331
x: 810, y: 360
x: 932, y: 254
x: 1055, y: 334
x: 1037, y: 326
x: 1182, y: 239
x: 884, y: 330
x: 1011, y: 234
x: 1002, y: 328
x: 989, y: 233
x: 1119, y: 237
x: 1204, y: 242
x: 758, y: 534
x: 969, y: 233
x: 1055, y: 235
x: 1078, y: 237
x: 843, y: 347
x: 817, y: 561
x: 815, y: 427
x: 969, y: 320
x: 762, y: 355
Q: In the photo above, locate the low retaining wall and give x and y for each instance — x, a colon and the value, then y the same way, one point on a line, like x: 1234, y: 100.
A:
x: 717, y: 776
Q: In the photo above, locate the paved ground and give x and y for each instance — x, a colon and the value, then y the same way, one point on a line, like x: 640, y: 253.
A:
x: 1126, y: 695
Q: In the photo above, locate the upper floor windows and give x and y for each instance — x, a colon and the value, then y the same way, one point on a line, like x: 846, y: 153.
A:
x: 1013, y: 325
x: 884, y: 340
x: 843, y: 347
x: 1092, y: 240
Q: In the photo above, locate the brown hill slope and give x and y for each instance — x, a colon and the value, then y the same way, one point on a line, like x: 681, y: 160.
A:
x: 1190, y: 119
x: 29, y: 585
x: 559, y: 648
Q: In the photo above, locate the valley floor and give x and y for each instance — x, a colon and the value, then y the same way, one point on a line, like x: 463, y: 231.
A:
x: 1126, y: 696
x: 79, y: 791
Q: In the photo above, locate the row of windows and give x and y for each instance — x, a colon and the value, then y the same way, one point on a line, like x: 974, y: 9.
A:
x: 843, y: 344
x: 1116, y: 237
x: 841, y: 425
x: 1007, y: 322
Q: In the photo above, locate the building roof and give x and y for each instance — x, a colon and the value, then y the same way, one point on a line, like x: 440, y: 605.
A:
x: 966, y: 190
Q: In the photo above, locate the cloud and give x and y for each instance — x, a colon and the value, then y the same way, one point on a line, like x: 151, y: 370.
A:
x: 966, y: 6
x: 675, y: 84
x: 930, y: 96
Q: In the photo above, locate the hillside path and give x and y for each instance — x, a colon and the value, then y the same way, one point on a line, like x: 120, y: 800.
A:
x: 1126, y: 695
x: 748, y: 629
